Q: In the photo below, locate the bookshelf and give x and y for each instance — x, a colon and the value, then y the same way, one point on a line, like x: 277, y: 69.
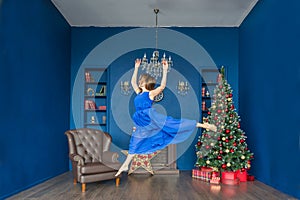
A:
x: 209, y: 82
x: 95, y: 98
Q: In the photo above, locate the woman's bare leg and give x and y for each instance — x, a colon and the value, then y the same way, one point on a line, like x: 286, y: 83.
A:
x: 125, y: 165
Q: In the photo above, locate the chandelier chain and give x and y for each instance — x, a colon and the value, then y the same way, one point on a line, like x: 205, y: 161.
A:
x: 154, y: 66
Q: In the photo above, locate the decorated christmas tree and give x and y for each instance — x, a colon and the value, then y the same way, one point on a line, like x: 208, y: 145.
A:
x: 226, y: 149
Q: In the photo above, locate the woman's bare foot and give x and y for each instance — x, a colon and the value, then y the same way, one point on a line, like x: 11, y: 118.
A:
x: 122, y: 169
x: 210, y: 127
x: 207, y: 126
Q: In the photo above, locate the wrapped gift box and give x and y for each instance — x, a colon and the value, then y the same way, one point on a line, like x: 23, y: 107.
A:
x: 229, y: 175
x: 203, y: 174
x: 215, y: 180
x: 241, y: 175
x: 250, y: 178
x: 196, y: 173
x: 230, y: 178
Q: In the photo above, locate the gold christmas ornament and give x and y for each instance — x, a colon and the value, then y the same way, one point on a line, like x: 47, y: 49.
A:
x: 228, y: 164
x: 227, y: 150
x: 243, y: 157
x: 207, y: 162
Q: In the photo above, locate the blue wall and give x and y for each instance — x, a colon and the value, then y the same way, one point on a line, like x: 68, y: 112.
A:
x: 35, y: 93
x: 269, y: 82
x: 221, y: 44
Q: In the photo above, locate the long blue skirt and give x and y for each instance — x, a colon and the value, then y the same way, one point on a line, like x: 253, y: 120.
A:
x: 155, y: 131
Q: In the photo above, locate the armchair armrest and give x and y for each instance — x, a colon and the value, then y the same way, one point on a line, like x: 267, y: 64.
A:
x: 77, y: 158
x: 110, y: 156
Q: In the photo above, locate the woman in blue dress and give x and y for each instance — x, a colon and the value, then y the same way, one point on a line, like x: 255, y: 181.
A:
x: 154, y: 131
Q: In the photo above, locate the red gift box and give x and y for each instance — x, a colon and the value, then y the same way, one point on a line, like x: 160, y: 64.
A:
x: 196, y: 173
x: 242, y: 175
x: 203, y: 174
x: 250, y: 178
x: 215, y: 180
x: 229, y: 175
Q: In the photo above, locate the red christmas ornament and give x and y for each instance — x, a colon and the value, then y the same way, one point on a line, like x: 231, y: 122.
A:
x: 221, y: 152
x: 223, y: 166
x: 249, y: 162
x: 231, y: 150
x: 227, y: 95
x: 226, y: 110
x: 219, y: 138
x: 219, y: 157
x: 231, y: 115
x: 231, y: 137
x: 219, y: 111
x: 208, y: 112
x: 215, y: 118
x: 198, y: 143
x: 234, y: 144
x: 227, y: 131
x: 230, y: 95
x: 242, y: 141
x: 226, y: 140
x: 251, y: 156
x: 239, y: 126
x: 243, y: 169
x: 232, y: 107
x: 220, y: 86
x: 220, y: 145
x: 207, y: 147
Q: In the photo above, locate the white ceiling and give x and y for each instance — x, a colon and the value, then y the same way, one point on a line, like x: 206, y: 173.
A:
x: 139, y: 13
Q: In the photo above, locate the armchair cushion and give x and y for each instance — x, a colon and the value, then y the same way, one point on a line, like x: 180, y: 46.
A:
x: 93, y: 168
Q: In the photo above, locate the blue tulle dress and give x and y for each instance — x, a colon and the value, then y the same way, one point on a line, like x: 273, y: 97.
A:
x: 155, y: 131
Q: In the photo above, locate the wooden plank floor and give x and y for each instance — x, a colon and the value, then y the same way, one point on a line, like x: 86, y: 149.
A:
x: 143, y: 187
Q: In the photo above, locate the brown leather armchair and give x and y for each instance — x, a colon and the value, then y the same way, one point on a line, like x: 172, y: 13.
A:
x: 90, y: 155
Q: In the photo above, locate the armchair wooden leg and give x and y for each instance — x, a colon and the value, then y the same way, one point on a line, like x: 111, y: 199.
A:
x: 117, y: 181
x: 83, y: 187
x: 74, y: 181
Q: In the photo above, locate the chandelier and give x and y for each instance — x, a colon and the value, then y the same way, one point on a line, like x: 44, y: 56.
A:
x: 154, y: 67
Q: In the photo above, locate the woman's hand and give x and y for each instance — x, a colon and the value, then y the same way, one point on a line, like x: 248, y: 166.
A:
x: 165, y: 64
x: 137, y: 63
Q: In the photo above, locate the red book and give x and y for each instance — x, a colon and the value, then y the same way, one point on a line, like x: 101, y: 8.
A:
x: 87, y: 77
x: 102, y: 107
x: 86, y: 105
x: 92, y: 105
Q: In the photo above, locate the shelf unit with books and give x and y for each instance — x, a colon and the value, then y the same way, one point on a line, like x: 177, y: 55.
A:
x: 95, y: 98
x: 209, y: 82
